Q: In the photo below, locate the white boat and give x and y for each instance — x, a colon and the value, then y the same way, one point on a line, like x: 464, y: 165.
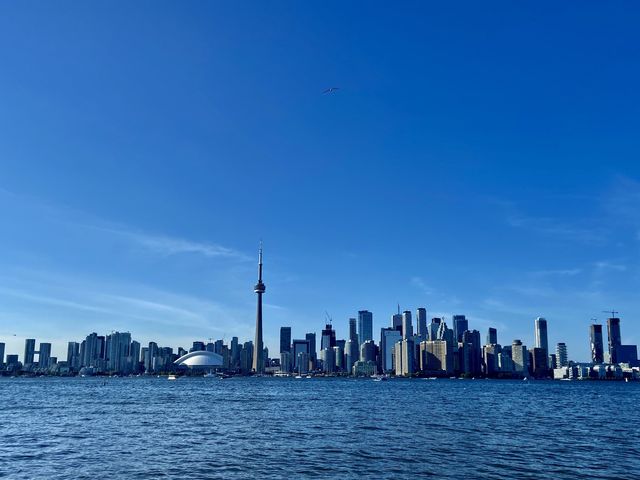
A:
x: 298, y: 376
x: 172, y: 377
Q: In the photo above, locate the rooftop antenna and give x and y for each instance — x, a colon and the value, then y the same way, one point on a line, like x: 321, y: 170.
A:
x: 612, y: 312
x: 398, y: 308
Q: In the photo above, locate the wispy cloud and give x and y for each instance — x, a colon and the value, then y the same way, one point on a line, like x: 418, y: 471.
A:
x: 557, y: 228
x: 606, y: 265
x: 420, y: 284
x: 568, y: 272
x: 166, y: 245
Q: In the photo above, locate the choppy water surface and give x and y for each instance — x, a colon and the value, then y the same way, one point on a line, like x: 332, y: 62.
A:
x: 85, y: 428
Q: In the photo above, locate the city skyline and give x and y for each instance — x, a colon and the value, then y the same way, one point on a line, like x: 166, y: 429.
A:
x: 488, y: 168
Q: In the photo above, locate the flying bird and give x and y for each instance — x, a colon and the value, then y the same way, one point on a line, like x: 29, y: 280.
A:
x: 331, y: 90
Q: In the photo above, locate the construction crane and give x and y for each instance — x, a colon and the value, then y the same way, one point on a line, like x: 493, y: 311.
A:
x: 329, y: 319
x: 612, y: 312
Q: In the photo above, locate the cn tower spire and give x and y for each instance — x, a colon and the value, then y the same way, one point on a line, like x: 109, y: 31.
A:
x: 258, y: 348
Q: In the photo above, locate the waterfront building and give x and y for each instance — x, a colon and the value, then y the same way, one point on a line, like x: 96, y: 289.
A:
x: 246, y: 357
x: 285, y: 362
x: 258, y: 347
x: 285, y: 339
x: 328, y: 338
x: 404, y: 357
x: 300, y: 346
x: 328, y: 360
x: 313, y: 357
x: 421, y: 324
x: 1, y: 353
x: 539, y: 362
x: 365, y: 326
x: 198, y: 347
x: 389, y: 336
x: 552, y: 361
x: 351, y: 353
x: 29, y: 351
x: 234, y: 354
x: 133, y: 360
x: 627, y: 354
x: 492, y: 336
x: 435, y: 357
x: 490, y: 356
x: 338, y: 353
x: 472, y: 338
x: 302, y: 362
x: 363, y: 369
x: 505, y: 363
x: 541, y: 334
x: 520, y: 357
x: 615, y: 338
x: 118, y: 349
x: 44, y: 355
x: 368, y: 351
x: 562, y: 358
x: 73, y: 355
x: 460, y: 325
x: 407, y: 326
x: 597, y: 343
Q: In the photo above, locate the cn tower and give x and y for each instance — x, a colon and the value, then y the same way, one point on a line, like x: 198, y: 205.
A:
x: 258, y: 355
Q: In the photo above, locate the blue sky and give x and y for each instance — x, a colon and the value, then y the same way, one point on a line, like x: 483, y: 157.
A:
x: 478, y: 159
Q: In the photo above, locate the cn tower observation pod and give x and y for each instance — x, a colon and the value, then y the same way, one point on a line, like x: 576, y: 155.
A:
x: 200, y: 359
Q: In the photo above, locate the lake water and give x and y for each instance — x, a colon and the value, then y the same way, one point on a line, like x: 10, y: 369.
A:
x: 132, y: 428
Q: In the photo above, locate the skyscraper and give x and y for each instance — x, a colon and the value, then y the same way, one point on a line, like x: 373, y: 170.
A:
x: 520, y: 357
x: 300, y: 347
x: 407, y: 326
x: 313, y: 356
x: 434, y: 326
x: 597, y: 343
x: 492, y: 336
x: 388, y: 339
x: 365, y: 326
x: 541, y: 334
x: 1, y: 353
x: 285, y: 339
x: 396, y: 321
x: 421, y: 323
x: 258, y: 356
x: 353, y: 331
x: 44, y: 355
x: 29, y: 350
x: 460, y: 325
x: 328, y: 338
x: 562, y: 359
x: 615, y: 338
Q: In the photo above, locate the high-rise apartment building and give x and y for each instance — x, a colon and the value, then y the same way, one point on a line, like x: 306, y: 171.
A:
x: 562, y: 358
x: 460, y: 325
x: 421, y: 323
x: 365, y: 326
x: 29, y: 351
x: 407, y: 326
x: 285, y: 339
x: 615, y: 338
x: 597, y: 343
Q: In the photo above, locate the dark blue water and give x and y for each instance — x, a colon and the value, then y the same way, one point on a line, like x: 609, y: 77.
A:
x: 127, y: 428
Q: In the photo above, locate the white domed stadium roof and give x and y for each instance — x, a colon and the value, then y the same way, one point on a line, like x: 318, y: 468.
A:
x: 200, y: 359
